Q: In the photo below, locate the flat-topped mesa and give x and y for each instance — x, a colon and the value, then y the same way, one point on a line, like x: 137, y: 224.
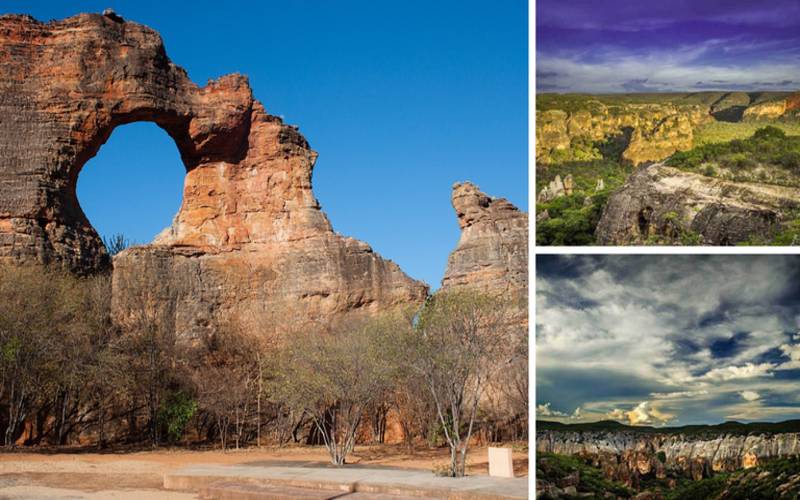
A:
x: 492, y: 253
x: 249, y: 233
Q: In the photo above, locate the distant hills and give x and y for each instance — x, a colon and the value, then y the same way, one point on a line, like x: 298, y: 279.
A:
x: 730, y: 427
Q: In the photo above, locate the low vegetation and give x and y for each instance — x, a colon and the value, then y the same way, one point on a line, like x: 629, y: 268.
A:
x: 73, y: 373
x: 769, y: 156
x: 561, y: 476
x: 718, y: 131
x: 557, y: 474
x: 572, y: 219
x: 778, y: 478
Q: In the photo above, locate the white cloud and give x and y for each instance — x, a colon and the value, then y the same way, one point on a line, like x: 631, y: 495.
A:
x: 750, y: 395
x: 793, y: 353
x: 544, y: 410
x: 678, y: 394
x: 674, y: 69
x: 646, y: 413
x: 748, y: 370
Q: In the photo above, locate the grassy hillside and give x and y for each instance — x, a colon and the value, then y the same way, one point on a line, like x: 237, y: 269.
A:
x: 716, y: 132
x: 769, y: 156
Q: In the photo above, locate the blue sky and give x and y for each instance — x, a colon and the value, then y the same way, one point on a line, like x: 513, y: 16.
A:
x: 401, y: 99
x: 679, y: 45
x: 667, y: 339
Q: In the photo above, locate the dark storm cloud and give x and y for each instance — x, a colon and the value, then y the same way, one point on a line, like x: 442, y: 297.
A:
x: 665, y: 335
x: 573, y: 388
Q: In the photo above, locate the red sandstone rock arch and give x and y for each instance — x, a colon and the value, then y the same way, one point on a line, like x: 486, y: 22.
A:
x: 250, y: 233
x: 67, y: 85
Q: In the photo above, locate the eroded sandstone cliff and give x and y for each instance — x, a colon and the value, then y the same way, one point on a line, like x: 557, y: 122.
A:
x: 492, y: 253
x: 652, y: 131
x: 630, y: 457
x: 249, y: 238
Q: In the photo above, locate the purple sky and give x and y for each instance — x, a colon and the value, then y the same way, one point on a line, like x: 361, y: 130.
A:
x: 667, y: 45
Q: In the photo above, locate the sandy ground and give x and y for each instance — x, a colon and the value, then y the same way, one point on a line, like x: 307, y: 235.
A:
x: 138, y: 474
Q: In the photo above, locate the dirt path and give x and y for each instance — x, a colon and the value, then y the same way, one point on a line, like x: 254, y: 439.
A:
x: 138, y: 474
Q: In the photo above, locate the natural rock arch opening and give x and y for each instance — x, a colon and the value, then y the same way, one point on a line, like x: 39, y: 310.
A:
x: 133, y: 185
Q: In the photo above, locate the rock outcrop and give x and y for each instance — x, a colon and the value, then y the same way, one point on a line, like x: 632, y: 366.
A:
x: 783, y: 108
x: 492, y: 253
x: 555, y: 189
x: 250, y: 235
x: 765, y: 111
x: 652, y: 131
x: 630, y: 457
x: 666, y: 204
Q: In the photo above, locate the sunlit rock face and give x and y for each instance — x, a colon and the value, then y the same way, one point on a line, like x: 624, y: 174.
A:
x: 631, y: 457
x: 668, y: 204
x: 649, y: 132
x: 492, y: 253
x: 249, y: 240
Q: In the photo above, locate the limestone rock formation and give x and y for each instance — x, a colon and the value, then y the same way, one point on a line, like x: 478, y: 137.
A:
x: 492, y: 253
x: 249, y: 235
x: 555, y: 189
x: 601, y: 185
x: 629, y: 457
x: 672, y: 205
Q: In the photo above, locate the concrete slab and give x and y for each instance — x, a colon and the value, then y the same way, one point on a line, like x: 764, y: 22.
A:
x: 244, y: 491
x: 375, y: 481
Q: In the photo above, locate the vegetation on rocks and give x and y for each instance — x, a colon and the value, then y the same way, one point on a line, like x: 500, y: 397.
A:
x: 773, y: 480
x: 572, y: 219
x: 563, y: 476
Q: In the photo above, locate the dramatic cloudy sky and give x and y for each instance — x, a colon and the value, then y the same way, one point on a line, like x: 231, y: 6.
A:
x: 676, y: 45
x: 668, y: 340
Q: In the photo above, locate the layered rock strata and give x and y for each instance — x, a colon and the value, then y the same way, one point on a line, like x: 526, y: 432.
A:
x: 250, y: 237
x: 630, y: 457
x: 666, y: 204
x: 492, y: 253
